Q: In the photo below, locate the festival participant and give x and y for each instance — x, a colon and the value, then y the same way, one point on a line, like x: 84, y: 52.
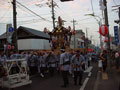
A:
x: 64, y: 67
x: 77, y: 62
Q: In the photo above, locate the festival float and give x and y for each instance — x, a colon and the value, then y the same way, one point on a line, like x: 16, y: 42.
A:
x: 60, y: 37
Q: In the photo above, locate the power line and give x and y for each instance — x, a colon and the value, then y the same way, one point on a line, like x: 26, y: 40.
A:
x: 83, y: 19
x: 45, y: 14
x: 64, y: 12
x: 32, y: 12
x: 114, y: 2
x: 26, y: 16
x: 24, y: 10
x: 31, y: 20
x: 58, y: 14
x: 5, y: 13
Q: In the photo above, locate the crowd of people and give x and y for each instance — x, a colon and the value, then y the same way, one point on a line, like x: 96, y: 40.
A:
x: 112, y: 57
x: 42, y: 62
x: 49, y: 62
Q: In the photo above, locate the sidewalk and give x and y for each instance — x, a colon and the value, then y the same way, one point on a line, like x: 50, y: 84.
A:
x: 108, y: 81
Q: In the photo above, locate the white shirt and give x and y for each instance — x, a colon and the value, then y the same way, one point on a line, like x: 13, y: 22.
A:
x: 100, y: 63
x: 64, y: 59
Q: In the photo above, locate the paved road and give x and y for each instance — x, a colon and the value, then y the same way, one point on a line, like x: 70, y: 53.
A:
x: 54, y: 83
x: 109, y: 80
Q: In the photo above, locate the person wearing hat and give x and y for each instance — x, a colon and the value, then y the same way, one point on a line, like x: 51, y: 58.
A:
x: 77, y: 61
x: 64, y: 67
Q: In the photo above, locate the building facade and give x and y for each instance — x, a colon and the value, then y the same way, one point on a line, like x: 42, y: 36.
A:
x: 77, y: 40
x: 28, y: 39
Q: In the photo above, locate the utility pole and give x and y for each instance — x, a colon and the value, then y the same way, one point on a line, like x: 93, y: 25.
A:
x: 86, y: 38
x: 106, y: 23
x: 91, y: 38
x: 15, y: 23
x: 100, y: 22
x: 53, y: 14
x: 74, y: 29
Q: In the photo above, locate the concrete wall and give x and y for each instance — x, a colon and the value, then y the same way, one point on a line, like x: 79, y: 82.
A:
x: 33, y: 44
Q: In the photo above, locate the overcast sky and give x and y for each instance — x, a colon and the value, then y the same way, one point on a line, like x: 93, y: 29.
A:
x: 67, y: 10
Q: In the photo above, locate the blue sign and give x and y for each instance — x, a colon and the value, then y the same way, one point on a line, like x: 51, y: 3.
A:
x: 116, y: 35
x: 10, y: 29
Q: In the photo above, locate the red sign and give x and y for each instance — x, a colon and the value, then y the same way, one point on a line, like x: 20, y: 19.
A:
x: 103, y: 30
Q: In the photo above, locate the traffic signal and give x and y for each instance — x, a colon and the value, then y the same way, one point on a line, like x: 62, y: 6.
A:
x: 65, y: 0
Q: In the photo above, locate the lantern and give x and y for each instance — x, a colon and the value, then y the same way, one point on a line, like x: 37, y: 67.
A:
x: 103, y: 30
x: 45, y: 30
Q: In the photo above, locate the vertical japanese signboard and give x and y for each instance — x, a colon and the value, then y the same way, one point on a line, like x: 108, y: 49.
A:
x: 116, y: 35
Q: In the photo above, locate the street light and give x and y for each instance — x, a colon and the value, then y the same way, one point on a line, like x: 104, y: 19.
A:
x: 99, y: 23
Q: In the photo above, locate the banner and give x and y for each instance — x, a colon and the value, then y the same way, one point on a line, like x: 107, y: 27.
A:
x: 116, y: 35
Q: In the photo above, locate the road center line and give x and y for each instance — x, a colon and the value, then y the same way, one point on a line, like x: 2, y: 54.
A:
x: 89, y: 69
x: 84, y: 84
x: 89, y: 74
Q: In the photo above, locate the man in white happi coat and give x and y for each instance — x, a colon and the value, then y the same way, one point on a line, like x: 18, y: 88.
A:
x: 64, y: 67
x: 41, y: 64
x: 77, y: 61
